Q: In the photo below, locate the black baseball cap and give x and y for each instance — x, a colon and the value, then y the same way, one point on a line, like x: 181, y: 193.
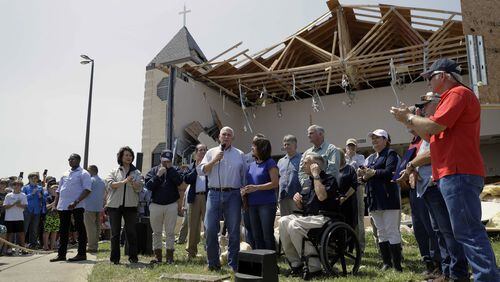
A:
x: 427, y: 98
x: 444, y: 65
x: 166, y: 155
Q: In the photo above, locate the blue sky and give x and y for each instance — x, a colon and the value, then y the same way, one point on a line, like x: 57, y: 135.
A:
x: 44, y: 89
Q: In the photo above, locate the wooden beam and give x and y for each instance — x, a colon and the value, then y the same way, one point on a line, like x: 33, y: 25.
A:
x: 332, y: 58
x: 225, y: 61
x: 275, y: 63
x: 261, y: 66
x: 368, y: 36
x: 439, y: 33
x: 222, y: 87
x: 409, y: 28
x: 209, y: 62
x: 345, y: 44
x: 404, y: 7
x: 325, y: 55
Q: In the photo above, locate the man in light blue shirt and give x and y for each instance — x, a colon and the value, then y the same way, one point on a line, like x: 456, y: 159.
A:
x: 32, y: 213
x: 225, y: 167
x: 94, y: 204
x: 328, y: 151
x: 289, y: 175
x: 74, y: 187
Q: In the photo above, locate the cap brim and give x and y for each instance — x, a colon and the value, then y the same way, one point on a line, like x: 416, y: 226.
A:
x: 166, y: 160
x: 426, y: 74
x: 421, y: 105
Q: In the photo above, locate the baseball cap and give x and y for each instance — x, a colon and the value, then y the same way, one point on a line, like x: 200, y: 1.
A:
x: 379, y: 132
x: 351, y: 141
x: 444, y: 65
x: 430, y: 96
x: 166, y: 155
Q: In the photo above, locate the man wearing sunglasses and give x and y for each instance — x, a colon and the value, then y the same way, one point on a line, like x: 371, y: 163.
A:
x: 457, y: 164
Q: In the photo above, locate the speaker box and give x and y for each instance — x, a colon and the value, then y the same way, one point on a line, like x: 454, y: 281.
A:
x: 257, y: 265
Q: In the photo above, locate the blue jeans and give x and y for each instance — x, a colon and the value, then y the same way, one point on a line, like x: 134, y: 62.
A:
x: 461, y: 194
x: 248, y: 229
x: 422, y: 227
x: 31, y: 222
x: 262, y: 224
x: 453, y: 263
x: 229, y: 205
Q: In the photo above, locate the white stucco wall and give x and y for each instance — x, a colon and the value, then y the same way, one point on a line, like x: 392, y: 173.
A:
x: 192, y: 102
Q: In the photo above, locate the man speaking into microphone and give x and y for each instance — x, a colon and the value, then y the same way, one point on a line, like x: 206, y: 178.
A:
x: 225, y: 168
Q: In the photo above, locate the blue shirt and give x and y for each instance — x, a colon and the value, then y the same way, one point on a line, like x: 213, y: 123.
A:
x: 36, y: 200
x: 257, y: 174
x: 425, y: 172
x: 71, y: 187
x: 289, y: 176
x: 95, y: 200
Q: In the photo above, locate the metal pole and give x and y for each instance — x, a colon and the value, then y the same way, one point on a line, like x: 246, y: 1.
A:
x: 169, y: 131
x: 87, y: 133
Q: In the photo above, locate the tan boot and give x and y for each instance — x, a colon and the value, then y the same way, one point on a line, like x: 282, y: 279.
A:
x: 170, y: 256
x: 158, y: 256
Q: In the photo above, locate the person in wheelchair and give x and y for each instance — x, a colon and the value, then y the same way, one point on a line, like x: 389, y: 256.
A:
x: 322, y: 196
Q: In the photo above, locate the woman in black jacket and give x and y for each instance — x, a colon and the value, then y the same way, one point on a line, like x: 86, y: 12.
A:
x: 383, y: 195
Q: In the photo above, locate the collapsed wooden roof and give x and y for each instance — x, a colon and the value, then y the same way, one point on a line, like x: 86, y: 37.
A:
x: 349, y: 47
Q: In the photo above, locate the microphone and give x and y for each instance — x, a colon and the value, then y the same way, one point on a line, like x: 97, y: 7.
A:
x: 222, y: 146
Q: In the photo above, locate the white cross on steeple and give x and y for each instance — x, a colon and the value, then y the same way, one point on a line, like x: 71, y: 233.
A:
x: 184, y: 12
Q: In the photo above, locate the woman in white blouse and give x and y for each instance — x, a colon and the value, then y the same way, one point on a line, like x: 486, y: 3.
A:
x: 123, y: 185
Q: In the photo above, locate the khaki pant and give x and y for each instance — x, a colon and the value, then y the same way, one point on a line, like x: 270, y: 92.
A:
x: 360, y: 228
x: 93, y: 228
x: 196, y: 217
x: 287, y: 206
x: 293, y: 229
x: 387, y: 223
x: 163, y: 217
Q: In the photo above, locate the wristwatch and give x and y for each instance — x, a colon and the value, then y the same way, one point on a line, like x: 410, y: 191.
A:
x: 410, y: 165
x: 316, y: 177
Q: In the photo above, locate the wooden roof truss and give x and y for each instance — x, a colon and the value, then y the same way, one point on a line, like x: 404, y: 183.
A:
x: 350, y: 44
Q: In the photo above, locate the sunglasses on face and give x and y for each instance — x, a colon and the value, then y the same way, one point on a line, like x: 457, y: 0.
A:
x: 434, y: 74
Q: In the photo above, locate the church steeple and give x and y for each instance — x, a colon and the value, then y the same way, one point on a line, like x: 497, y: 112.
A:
x: 181, y: 48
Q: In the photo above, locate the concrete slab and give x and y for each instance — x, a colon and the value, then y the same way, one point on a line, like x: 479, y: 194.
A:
x: 39, y: 268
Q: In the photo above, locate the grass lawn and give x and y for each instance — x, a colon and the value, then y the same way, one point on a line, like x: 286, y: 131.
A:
x: 412, y: 267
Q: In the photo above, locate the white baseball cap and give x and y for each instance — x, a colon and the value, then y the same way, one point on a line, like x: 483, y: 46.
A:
x: 380, y: 133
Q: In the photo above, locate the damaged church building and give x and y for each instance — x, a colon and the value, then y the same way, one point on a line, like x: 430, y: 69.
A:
x: 342, y: 71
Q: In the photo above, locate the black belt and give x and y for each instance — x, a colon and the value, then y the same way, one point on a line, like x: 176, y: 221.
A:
x: 223, y: 189
x: 200, y: 193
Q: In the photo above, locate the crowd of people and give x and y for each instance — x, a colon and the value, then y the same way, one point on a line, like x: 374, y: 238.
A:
x: 442, y: 170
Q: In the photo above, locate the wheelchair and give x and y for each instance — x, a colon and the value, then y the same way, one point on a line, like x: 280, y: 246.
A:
x: 335, y: 242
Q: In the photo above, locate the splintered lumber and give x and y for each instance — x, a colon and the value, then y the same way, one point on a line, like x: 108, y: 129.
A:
x: 360, y: 49
x: 194, y: 129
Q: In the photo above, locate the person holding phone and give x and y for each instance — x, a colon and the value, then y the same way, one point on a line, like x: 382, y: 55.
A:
x: 32, y: 214
x: 123, y: 185
x: 162, y: 181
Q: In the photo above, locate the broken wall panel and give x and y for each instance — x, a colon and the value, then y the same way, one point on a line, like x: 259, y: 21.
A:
x: 481, y: 17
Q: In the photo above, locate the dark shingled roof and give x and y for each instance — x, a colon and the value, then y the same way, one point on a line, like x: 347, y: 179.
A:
x: 181, y: 47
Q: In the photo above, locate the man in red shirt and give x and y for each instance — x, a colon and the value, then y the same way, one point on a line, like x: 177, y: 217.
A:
x: 457, y: 164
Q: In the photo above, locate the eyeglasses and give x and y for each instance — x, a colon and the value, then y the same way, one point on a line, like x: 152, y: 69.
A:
x: 434, y: 74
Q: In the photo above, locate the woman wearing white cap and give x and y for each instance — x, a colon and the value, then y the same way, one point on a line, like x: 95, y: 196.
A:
x: 383, y: 197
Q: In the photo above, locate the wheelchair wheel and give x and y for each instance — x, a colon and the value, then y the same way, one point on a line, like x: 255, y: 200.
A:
x: 339, y: 244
